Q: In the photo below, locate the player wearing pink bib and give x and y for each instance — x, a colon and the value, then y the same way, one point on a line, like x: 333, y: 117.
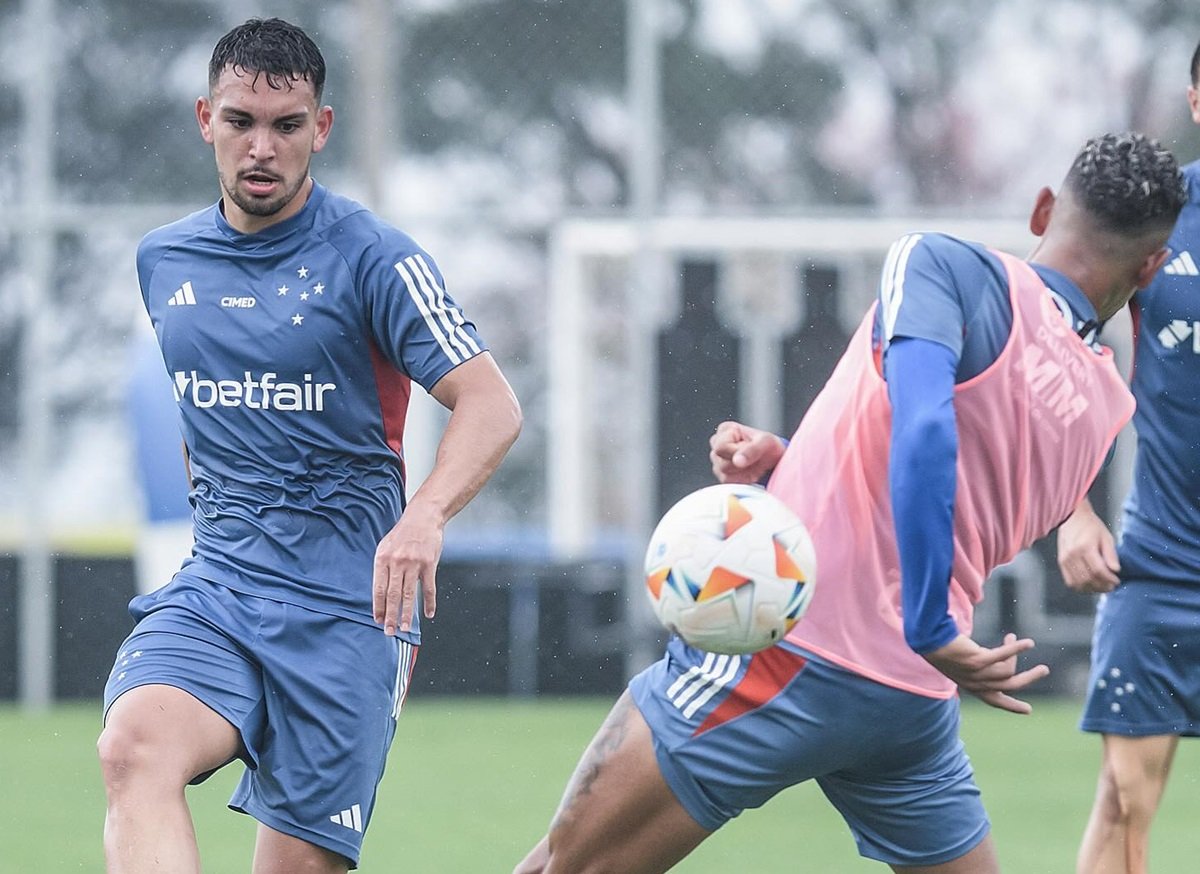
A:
x: 935, y: 452
x: 1047, y: 391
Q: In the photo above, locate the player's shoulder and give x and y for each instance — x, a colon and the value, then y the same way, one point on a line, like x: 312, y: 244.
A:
x: 358, y: 232
x: 1186, y: 235
x: 179, y: 231
x: 948, y: 245
x: 1191, y: 178
x: 938, y: 252
x: 1191, y: 173
x: 163, y: 239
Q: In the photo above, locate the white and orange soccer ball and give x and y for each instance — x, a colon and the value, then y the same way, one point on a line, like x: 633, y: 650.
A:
x: 730, y: 569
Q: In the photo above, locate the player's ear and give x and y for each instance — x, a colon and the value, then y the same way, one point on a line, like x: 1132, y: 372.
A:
x: 324, y: 125
x: 1194, y: 103
x: 1039, y: 219
x: 204, y: 118
x: 1151, y: 266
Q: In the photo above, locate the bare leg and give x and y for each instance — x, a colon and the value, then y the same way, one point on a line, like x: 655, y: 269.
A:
x: 617, y: 813
x: 1133, y: 775
x: 537, y: 859
x: 980, y: 860
x: 155, y: 740
x: 277, y: 853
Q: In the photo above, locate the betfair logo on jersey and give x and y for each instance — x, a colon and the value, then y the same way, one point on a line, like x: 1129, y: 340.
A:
x: 1175, y: 332
x: 263, y: 392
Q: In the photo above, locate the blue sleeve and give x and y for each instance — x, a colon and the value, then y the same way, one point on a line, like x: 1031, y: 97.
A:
x: 940, y: 288
x: 919, y: 289
x: 416, y: 325
x: 923, y: 477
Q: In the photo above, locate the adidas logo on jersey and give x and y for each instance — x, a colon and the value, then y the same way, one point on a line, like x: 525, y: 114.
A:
x: 1177, y: 331
x: 1182, y: 265
x: 183, y: 296
x: 351, y: 818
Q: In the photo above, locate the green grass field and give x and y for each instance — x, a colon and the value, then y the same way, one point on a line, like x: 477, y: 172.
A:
x: 472, y: 784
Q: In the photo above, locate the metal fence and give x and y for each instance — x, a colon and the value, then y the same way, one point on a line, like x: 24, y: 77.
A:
x: 480, y: 126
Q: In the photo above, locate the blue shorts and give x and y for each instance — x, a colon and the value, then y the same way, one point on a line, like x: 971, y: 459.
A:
x: 732, y: 731
x: 315, y: 698
x: 1145, y: 676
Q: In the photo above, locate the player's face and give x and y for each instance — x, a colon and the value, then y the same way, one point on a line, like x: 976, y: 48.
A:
x: 264, y: 139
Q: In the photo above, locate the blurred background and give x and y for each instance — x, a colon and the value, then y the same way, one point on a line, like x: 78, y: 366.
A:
x: 660, y: 214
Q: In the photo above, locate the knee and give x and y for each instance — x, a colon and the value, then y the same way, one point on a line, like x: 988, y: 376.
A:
x: 1127, y: 799
x: 125, y: 756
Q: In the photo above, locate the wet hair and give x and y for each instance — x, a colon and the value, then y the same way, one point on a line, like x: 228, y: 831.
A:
x: 1196, y: 66
x: 272, y: 48
x: 1128, y: 183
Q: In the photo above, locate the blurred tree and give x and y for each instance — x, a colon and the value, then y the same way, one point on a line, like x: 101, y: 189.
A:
x: 126, y: 103
x: 132, y: 71
x: 1168, y: 32
x: 977, y: 101
x: 764, y: 104
x: 531, y: 86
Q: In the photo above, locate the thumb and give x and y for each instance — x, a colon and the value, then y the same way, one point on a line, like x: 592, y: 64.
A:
x: 746, y: 454
x: 1108, y: 551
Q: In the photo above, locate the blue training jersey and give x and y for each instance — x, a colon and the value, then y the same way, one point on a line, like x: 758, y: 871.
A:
x: 291, y: 353
x: 1161, y: 520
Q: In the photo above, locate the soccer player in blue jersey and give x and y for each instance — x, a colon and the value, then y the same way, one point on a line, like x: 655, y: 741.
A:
x: 292, y: 323
x: 1144, y: 689
x: 951, y: 403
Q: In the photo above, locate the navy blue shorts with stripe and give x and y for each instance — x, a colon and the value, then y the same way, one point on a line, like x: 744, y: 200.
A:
x: 314, y: 696
x: 732, y: 731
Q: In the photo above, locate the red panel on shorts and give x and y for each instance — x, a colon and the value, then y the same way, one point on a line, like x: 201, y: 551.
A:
x: 769, y: 671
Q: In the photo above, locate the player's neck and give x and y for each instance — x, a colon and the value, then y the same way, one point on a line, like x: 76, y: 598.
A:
x: 247, y: 223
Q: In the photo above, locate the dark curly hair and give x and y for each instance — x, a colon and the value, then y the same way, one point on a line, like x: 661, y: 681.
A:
x: 272, y: 48
x: 1128, y: 183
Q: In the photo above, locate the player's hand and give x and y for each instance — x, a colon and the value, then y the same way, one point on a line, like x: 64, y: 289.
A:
x: 406, y: 558
x: 741, y: 454
x: 989, y: 674
x: 1087, y: 552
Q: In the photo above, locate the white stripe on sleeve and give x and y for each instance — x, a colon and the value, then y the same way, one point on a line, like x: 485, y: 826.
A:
x: 891, y: 290
x: 448, y: 318
x: 431, y: 322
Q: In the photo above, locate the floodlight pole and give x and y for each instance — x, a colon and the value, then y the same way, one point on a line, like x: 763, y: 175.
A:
x: 35, y: 612
x: 376, y: 107
x: 645, y: 287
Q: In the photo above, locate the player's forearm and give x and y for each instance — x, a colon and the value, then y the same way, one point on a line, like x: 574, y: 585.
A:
x: 483, y: 425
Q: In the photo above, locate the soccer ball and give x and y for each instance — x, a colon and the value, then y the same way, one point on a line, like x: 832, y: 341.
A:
x: 730, y: 569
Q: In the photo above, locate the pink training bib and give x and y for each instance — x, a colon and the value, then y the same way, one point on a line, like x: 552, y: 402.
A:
x: 1033, y: 431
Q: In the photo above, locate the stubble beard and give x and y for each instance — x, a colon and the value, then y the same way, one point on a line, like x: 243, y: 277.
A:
x: 259, y: 206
